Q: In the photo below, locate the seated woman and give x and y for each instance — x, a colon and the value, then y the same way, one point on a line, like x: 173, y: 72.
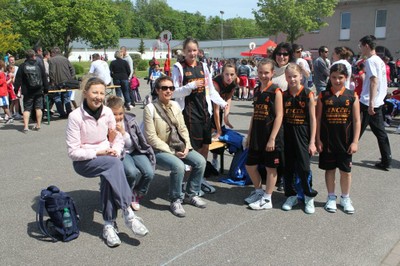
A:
x: 139, y: 160
x: 93, y: 155
x: 158, y: 135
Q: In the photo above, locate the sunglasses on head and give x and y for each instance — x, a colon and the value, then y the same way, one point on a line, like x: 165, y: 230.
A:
x: 284, y: 54
x: 164, y: 88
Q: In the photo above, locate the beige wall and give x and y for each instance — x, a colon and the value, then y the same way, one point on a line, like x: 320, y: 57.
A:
x: 363, y: 14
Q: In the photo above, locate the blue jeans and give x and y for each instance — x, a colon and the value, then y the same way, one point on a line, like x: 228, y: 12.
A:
x: 139, y: 171
x: 124, y: 90
x: 177, y: 167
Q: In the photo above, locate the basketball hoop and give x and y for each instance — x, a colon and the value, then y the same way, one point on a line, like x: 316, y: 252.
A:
x: 165, y: 36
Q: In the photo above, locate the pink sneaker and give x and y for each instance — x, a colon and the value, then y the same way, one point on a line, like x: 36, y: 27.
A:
x: 135, y: 201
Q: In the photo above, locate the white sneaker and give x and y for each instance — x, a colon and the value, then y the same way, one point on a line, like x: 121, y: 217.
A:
x: 385, y: 124
x: 110, y: 234
x: 309, y: 202
x: 347, y: 205
x: 330, y: 205
x: 262, y: 204
x: 135, y: 223
x: 254, y: 196
x: 289, y: 203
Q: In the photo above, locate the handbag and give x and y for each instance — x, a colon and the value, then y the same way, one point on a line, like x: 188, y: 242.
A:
x: 175, y: 140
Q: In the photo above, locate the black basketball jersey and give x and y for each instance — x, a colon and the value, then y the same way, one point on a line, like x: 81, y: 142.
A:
x: 196, y: 107
x: 336, y: 130
x: 224, y: 90
x: 296, y: 108
x: 263, y: 119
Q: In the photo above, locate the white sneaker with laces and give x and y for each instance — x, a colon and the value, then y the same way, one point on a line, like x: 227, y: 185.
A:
x: 309, y: 202
x: 330, y: 205
x: 135, y: 223
x: 347, y: 205
x: 195, y: 201
x: 262, y: 204
x: 289, y: 203
x: 110, y: 234
x: 177, y: 209
x: 254, y: 196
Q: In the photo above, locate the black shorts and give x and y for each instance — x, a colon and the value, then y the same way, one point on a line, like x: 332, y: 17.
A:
x: 268, y: 159
x: 330, y: 161
x: 33, y: 101
x: 199, y: 134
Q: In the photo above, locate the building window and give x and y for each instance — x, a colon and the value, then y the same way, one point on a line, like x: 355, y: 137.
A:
x: 345, y: 22
x: 380, y: 24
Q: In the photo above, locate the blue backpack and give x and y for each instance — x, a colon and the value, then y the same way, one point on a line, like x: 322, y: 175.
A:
x: 60, y: 207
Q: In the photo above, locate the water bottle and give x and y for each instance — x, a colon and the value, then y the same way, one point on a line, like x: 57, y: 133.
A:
x: 67, y: 221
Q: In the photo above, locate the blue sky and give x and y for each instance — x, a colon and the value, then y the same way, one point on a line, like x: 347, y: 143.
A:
x: 231, y: 8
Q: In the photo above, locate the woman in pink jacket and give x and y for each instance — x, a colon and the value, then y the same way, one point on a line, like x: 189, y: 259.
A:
x: 93, y: 155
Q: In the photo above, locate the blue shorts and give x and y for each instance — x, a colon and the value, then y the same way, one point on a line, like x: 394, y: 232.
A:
x: 4, y: 101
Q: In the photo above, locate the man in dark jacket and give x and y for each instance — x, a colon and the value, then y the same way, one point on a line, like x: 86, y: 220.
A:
x: 120, y: 73
x: 61, y: 70
x: 31, y: 77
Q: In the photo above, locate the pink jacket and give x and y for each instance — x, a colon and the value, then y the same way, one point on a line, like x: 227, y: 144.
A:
x: 85, y: 135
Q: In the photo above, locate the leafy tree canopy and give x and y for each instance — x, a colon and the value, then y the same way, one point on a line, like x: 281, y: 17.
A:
x: 9, y: 41
x: 293, y: 17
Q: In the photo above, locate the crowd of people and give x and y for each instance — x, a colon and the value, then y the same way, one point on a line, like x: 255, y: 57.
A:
x: 291, y: 122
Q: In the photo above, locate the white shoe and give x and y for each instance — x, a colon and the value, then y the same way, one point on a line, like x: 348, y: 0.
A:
x: 254, y: 196
x: 347, y: 205
x: 110, y: 234
x: 309, y: 202
x: 135, y: 223
x: 289, y: 203
x: 262, y: 204
x: 330, y: 205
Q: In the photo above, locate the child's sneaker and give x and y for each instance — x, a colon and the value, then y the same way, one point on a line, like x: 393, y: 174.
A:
x: 110, y: 235
x: 195, y: 201
x: 9, y: 121
x: 135, y: 223
x: 289, y: 203
x: 177, y: 209
x: 330, y: 205
x: 262, y: 204
x: 254, y: 196
x: 309, y: 202
x: 347, y: 205
x: 135, y: 201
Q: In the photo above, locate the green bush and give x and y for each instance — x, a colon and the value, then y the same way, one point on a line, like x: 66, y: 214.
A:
x: 78, y: 68
x: 142, y: 65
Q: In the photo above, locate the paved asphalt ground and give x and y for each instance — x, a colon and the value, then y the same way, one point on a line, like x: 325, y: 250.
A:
x: 225, y: 233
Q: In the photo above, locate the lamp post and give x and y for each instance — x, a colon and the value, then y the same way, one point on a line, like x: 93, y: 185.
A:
x: 222, y: 33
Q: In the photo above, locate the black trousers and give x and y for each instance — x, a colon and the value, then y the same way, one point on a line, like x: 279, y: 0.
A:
x: 375, y: 122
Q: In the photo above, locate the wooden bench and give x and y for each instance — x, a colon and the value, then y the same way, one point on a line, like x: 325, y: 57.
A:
x: 218, y: 147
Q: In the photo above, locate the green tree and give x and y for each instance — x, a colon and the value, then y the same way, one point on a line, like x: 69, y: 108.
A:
x: 60, y: 22
x: 293, y: 17
x: 141, y: 48
x: 9, y: 40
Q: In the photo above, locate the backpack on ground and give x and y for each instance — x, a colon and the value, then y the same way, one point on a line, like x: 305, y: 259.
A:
x: 33, y: 74
x: 63, y: 222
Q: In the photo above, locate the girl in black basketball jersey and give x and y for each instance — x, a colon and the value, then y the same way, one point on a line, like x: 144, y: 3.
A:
x: 338, y: 131
x: 225, y: 84
x: 299, y: 130
x: 194, y: 93
x: 265, y: 137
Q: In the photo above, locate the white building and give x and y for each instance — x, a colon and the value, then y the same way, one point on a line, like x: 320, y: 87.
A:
x: 213, y: 49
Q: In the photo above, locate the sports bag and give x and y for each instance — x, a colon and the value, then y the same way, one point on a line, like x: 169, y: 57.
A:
x: 33, y: 75
x: 60, y: 207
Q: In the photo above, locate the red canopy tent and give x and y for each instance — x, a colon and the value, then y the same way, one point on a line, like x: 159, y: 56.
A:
x: 260, y: 50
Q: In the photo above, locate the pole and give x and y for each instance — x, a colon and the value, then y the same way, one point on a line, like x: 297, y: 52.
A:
x: 222, y: 33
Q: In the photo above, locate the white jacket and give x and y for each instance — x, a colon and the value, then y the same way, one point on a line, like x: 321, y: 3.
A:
x: 182, y: 91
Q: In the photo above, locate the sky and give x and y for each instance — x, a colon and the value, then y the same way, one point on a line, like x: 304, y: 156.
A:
x: 231, y: 8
